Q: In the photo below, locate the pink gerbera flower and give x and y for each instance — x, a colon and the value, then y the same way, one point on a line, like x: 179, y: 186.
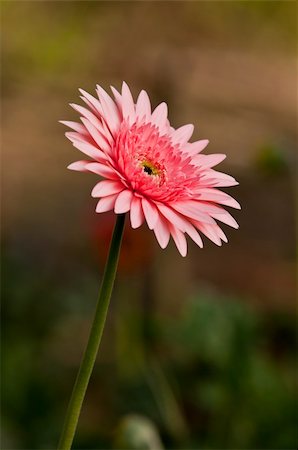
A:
x: 150, y: 168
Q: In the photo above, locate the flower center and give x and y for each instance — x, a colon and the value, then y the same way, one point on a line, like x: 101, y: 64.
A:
x: 149, y: 168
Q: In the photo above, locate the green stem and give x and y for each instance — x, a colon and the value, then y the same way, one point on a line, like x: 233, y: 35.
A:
x: 89, y: 357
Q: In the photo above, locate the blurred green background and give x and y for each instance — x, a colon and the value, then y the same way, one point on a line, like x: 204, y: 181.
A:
x: 198, y: 353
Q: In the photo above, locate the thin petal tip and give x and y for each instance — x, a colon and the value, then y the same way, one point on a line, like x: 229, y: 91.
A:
x: 93, y: 193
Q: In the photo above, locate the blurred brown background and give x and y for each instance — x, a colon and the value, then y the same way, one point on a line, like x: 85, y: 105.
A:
x: 230, y: 68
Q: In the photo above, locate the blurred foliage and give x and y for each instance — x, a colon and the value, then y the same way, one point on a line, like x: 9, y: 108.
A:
x: 243, y: 394
x: 137, y: 432
x: 220, y: 376
x: 57, y: 40
x: 272, y: 160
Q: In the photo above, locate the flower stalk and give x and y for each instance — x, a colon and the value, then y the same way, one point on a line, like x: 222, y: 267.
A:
x: 94, y: 340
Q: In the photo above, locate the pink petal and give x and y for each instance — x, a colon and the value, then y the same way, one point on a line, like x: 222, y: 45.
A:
x: 123, y: 202
x: 88, y: 114
x: 162, y: 232
x: 182, y: 224
x: 219, y: 179
x: 143, y: 106
x: 75, y: 137
x: 74, y: 126
x: 210, y: 231
x: 128, y: 106
x: 217, y: 212
x: 227, y: 219
x: 159, y: 116
x: 192, y: 232
x: 179, y: 239
x: 118, y: 99
x: 214, y: 195
x: 205, y: 207
x: 191, y: 209
x: 95, y: 104
x: 229, y: 201
x: 221, y: 234
x: 90, y: 150
x: 106, y: 187
x: 110, y: 110
x: 136, y: 213
x: 208, y: 208
x: 182, y: 134
x: 225, y: 183
x: 97, y: 136
x: 107, y: 134
x: 173, y: 217
x: 103, y: 170
x: 106, y: 203
x: 150, y: 212
x: 196, y: 147
x: 209, y: 160
x: 79, y: 166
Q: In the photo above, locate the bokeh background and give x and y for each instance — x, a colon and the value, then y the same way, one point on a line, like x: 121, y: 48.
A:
x: 198, y: 353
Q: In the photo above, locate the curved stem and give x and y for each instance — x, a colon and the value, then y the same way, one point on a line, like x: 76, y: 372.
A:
x: 89, y: 357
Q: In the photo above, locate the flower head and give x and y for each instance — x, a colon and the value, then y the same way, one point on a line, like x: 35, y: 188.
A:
x: 151, y: 169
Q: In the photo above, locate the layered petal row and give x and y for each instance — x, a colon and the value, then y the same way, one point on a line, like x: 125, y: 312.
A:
x: 149, y: 169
